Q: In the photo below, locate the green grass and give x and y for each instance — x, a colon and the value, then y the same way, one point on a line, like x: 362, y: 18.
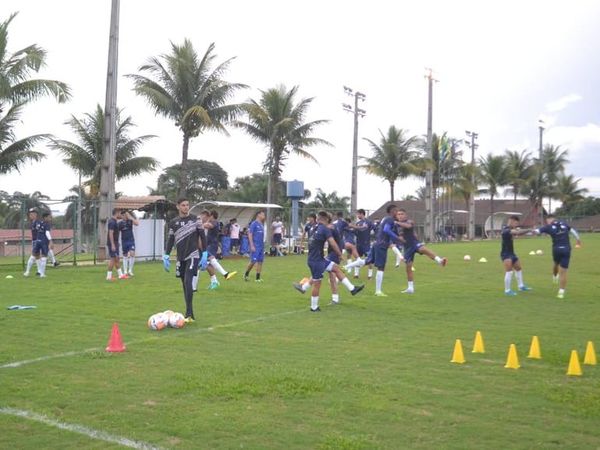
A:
x: 258, y: 370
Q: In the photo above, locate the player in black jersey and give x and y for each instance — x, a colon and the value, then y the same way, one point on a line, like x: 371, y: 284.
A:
x: 187, y: 235
x: 509, y: 258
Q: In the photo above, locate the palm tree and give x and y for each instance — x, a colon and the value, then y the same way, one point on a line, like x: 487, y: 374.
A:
x: 554, y: 160
x: 519, y: 170
x: 330, y: 202
x: 86, y: 156
x: 393, y: 157
x: 493, y: 175
x: 465, y: 185
x: 17, y: 89
x: 189, y: 90
x: 568, y: 190
x: 18, y: 205
x: 278, y: 121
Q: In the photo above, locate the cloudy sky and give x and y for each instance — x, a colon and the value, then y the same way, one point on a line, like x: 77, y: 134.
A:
x: 501, y: 67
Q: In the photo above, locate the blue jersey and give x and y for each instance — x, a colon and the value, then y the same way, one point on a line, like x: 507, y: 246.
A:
x: 559, y: 232
x: 212, y: 234
x: 507, y: 241
x: 409, y: 235
x: 41, y: 236
x: 309, y: 228
x: 337, y: 237
x: 113, y: 227
x: 35, y: 229
x: 383, y: 238
x: 363, y: 232
x: 316, y: 243
x: 126, y: 229
x: 341, y: 226
x: 258, y: 234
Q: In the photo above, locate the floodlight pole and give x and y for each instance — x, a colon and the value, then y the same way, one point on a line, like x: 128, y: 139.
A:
x: 541, y: 151
x: 473, y: 145
x: 357, y: 113
x: 429, y: 232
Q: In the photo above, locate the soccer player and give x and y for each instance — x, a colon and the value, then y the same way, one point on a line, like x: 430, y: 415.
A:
x: 277, y: 228
x: 35, y: 226
x: 509, y: 258
x: 335, y: 258
x: 561, y: 249
x: 411, y: 247
x: 234, y: 235
x: 362, y: 229
x: 385, y: 237
x: 211, y: 228
x: 112, y: 245
x: 187, y: 234
x: 127, y: 240
x: 256, y: 239
x: 309, y: 227
x: 319, y: 265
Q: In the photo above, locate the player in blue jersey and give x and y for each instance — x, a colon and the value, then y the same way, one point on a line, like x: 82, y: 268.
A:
x: 335, y: 258
x: 309, y: 227
x: 384, y: 237
x: 126, y: 224
x: 34, y: 224
x: 412, y: 246
x: 509, y: 258
x: 112, y: 246
x: 318, y: 264
x: 211, y: 228
x: 362, y: 230
x: 561, y: 249
x: 256, y: 239
x: 44, y: 241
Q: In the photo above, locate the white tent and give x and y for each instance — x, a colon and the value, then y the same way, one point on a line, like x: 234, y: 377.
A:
x: 499, y: 220
x: 243, y: 212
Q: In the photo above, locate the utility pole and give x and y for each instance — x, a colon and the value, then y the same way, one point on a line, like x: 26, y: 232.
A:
x: 429, y: 232
x: 358, y: 96
x: 107, y: 176
x: 541, y: 150
x: 473, y: 136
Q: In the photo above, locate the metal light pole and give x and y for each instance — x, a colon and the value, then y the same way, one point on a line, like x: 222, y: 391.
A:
x: 429, y: 232
x: 107, y: 176
x: 357, y: 113
x: 473, y: 136
x: 541, y: 151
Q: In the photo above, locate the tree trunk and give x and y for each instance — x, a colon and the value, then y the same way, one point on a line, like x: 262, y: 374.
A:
x: 182, y: 191
x: 391, y: 191
x: 515, y: 198
x: 492, y: 214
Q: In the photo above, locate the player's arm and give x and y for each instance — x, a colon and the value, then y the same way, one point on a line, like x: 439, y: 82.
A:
x: 208, y: 225
x: 388, y: 229
x: 111, y: 238
x: 334, y: 246
x: 251, y: 240
x: 575, y: 234
x: 406, y: 224
x: 131, y: 217
x: 201, y: 240
x: 170, y: 242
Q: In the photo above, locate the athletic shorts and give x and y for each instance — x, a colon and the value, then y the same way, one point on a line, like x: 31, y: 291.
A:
x: 40, y: 248
x: 333, y: 257
x: 212, y: 249
x: 363, y: 249
x: 187, y: 267
x: 277, y: 238
x: 370, y: 259
x: 380, y: 256
x: 234, y: 243
x: 514, y: 258
x: 128, y: 246
x: 409, y: 252
x: 561, y: 256
x: 112, y: 254
x: 258, y: 256
x: 318, y: 268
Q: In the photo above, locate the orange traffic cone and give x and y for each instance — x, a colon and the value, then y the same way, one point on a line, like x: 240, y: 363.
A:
x: 115, y: 343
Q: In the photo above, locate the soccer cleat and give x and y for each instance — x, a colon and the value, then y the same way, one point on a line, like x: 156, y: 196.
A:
x: 317, y: 309
x: 189, y: 320
x: 356, y: 277
x: 510, y: 293
x: 56, y: 264
x: 369, y: 278
x: 560, y: 295
x: 230, y: 275
x: 397, y: 264
x: 298, y: 287
x: 26, y: 274
x: 444, y: 262
x: 554, y: 280
x: 37, y: 274
x: 380, y: 294
x: 525, y: 288
x: 408, y: 291
x: 110, y: 279
x: 42, y: 275
x: 334, y: 303
x: 130, y: 274
x: 213, y: 285
x: 123, y: 277
x: 357, y: 289
x: 258, y: 281
x: 245, y: 277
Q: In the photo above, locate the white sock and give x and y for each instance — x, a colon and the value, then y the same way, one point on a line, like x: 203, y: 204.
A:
x: 131, y: 262
x: 411, y: 285
x: 195, y: 282
x: 507, y: 280
x: 305, y: 286
x: 561, y: 291
x: 43, y: 265
x: 346, y: 282
x: 356, y: 271
x: 519, y: 274
x: 38, y: 264
x: 314, y: 302
x: 398, y: 254
x: 52, y: 257
x: 216, y: 265
x: 378, y: 280
x: 370, y: 273
x: 109, y: 275
x: 125, y: 263
x: 335, y: 298
x: 30, y: 262
x: 119, y: 272
x: 438, y: 260
x: 358, y: 262
x: 213, y: 279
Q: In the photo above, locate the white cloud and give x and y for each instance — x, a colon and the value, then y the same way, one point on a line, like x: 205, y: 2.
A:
x: 561, y: 103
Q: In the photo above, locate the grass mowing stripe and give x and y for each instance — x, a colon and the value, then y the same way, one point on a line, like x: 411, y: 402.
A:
x: 75, y: 428
x: 16, y: 364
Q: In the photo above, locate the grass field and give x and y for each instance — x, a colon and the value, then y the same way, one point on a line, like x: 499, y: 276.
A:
x: 258, y: 370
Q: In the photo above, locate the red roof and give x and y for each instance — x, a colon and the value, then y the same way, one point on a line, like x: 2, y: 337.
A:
x: 15, y: 235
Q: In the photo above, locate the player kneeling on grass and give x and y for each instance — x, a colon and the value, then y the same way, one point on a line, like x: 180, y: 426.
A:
x: 509, y: 258
x: 256, y: 238
x: 411, y: 247
x: 318, y: 265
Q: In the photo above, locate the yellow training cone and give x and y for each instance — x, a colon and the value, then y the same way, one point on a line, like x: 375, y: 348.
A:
x: 534, y: 350
x: 458, y: 356
x: 478, y: 346
x: 574, y: 367
x: 512, y: 362
x: 590, y: 354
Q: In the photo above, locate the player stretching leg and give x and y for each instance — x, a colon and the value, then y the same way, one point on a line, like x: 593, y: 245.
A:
x: 256, y: 238
x: 561, y: 249
x: 385, y: 236
x: 509, y: 258
x: 211, y: 227
x: 319, y: 265
x: 186, y: 233
x: 411, y: 247
x: 127, y: 240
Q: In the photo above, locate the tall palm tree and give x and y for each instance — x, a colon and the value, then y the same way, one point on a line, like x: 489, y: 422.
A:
x: 278, y: 121
x: 493, y: 175
x: 394, y: 157
x: 568, y: 190
x: 17, y: 89
x: 554, y: 160
x: 330, y: 202
x: 519, y: 170
x: 191, y: 91
x: 19, y: 203
x: 465, y: 185
x: 86, y: 156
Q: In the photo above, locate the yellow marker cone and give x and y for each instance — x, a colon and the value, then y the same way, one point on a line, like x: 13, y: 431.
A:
x: 458, y: 356
x: 478, y: 346
x: 534, y: 350
x: 512, y: 362
x: 590, y: 354
x: 574, y: 367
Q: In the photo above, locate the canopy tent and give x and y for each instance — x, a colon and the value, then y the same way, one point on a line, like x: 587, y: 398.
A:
x: 243, y: 212
x: 499, y: 220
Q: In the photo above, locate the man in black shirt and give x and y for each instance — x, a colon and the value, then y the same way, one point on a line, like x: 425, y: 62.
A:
x: 187, y: 235
x: 509, y: 258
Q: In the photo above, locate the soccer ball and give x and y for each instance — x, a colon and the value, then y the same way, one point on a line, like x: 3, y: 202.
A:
x: 467, y: 258
x: 157, y: 322
x: 539, y: 252
x: 176, y: 320
x: 168, y: 313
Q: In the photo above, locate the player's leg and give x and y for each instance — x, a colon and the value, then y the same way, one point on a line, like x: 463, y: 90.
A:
x: 248, y: 270
x: 410, y: 276
x: 335, y: 296
x: 187, y: 275
x: 519, y: 274
x: 508, y: 274
x: 30, y: 262
x: 131, y: 262
x: 314, y: 296
x: 563, y: 263
x: 425, y: 251
x: 110, y: 267
x: 52, y: 257
x: 398, y: 254
x: 215, y: 263
x: 43, y: 261
x: 335, y: 269
x: 258, y: 271
x: 122, y: 276
x: 380, y: 258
